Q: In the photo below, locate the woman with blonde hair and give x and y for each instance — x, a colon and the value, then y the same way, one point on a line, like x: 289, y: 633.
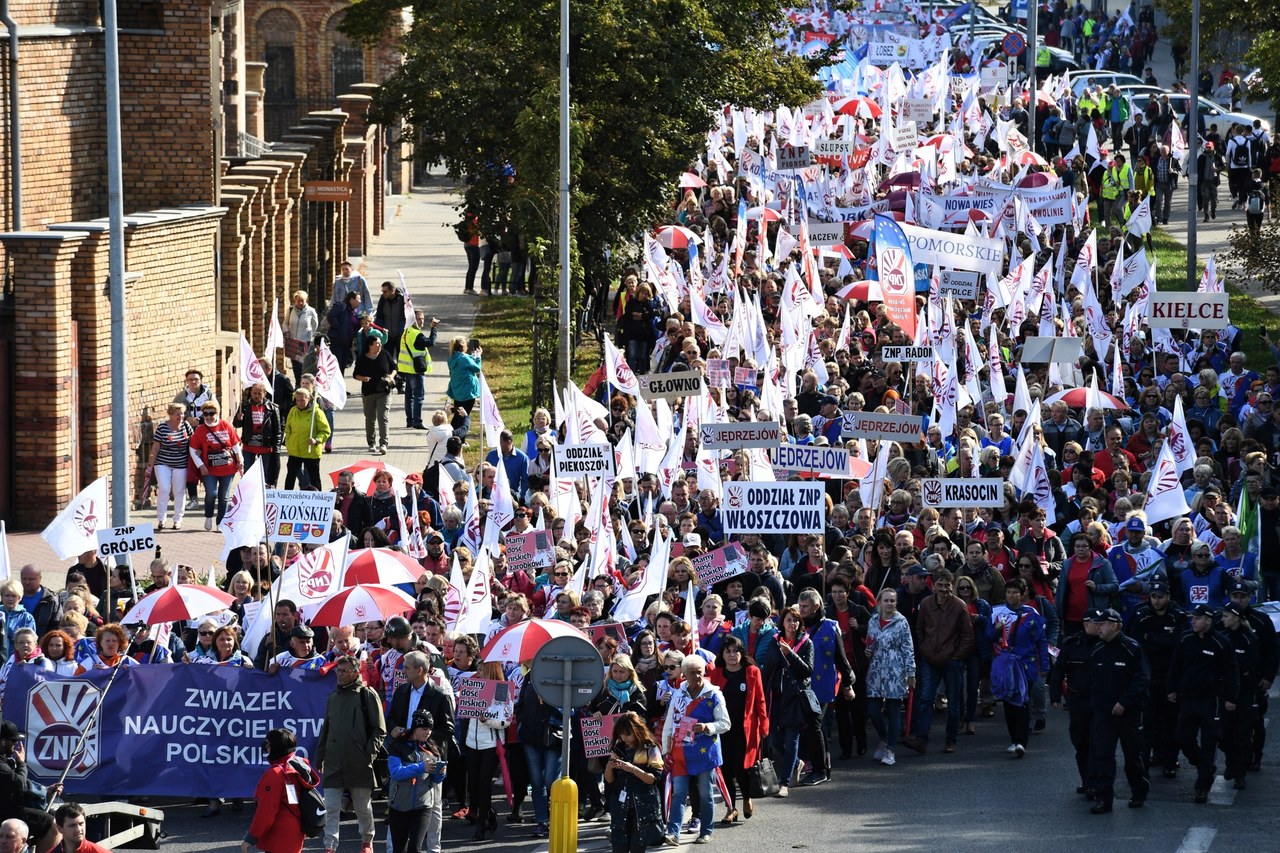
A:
x: 479, y: 739
x: 171, y: 442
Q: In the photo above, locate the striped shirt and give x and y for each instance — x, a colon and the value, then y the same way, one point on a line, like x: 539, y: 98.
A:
x: 174, y: 444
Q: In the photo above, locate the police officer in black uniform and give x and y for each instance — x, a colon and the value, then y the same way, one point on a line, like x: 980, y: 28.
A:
x: 1203, y: 682
x: 1157, y: 626
x: 1118, y: 679
x: 1069, y: 667
x: 1268, y: 662
x: 1237, y: 725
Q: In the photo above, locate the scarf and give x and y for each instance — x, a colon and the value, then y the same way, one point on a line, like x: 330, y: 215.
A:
x: 706, y: 628
x: 620, y: 690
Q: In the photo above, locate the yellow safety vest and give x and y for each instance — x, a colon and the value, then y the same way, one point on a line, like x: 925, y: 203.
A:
x: 404, y: 363
x: 1042, y: 57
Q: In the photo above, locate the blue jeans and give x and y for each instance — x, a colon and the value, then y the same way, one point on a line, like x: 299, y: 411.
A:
x: 951, y: 679
x: 544, y: 769
x: 886, y: 716
x: 680, y: 790
x: 785, y: 743
x: 413, y: 398
x: 220, y: 485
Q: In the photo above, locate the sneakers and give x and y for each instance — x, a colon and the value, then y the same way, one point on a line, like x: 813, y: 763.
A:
x: 879, y: 753
x: 373, y: 450
x: 912, y: 742
x: 177, y: 525
x: 1011, y: 748
x: 667, y: 840
x: 703, y: 839
x: 815, y: 778
x: 541, y: 831
x: 888, y: 759
x: 693, y: 825
x: 1039, y: 726
x: 970, y: 728
x: 1019, y: 751
x: 193, y: 504
x: 950, y: 747
x: 208, y: 523
x: 783, y: 792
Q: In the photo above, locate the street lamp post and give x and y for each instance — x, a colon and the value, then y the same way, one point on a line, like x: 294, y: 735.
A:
x: 566, y: 312
x: 115, y: 277
x: 1193, y: 140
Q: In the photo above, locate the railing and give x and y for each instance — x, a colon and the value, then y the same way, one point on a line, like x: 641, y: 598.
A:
x: 248, y: 145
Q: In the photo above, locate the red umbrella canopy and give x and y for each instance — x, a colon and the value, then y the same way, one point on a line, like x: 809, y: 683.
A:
x: 178, y: 603
x: 690, y: 181
x: 362, y: 603
x: 380, y: 566
x: 675, y: 237
x: 858, y: 106
x: 521, y: 642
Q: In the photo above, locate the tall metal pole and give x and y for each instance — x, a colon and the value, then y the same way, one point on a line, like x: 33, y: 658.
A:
x: 566, y: 312
x: 1030, y: 54
x: 1193, y: 141
x: 115, y: 213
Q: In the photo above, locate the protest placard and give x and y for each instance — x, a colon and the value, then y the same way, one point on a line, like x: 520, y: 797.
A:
x: 722, y: 563
x: 1177, y: 310
x: 881, y: 427
x: 597, y: 734
x: 670, y: 386
x: 736, y: 436
x: 958, y: 284
x: 718, y: 372
x: 583, y: 460
x: 481, y: 698
x: 530, y: 551
x: 976, y: 492
x: 302, y: 517
x: 908, y: 353
x: 613, y: 630
x: 793, y: 158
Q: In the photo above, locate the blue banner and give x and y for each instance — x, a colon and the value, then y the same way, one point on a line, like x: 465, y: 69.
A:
x: 174, y: 730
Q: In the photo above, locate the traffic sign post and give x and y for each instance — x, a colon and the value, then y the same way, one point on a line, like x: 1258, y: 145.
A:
x: 1013, y: 44
x: 567, y: 672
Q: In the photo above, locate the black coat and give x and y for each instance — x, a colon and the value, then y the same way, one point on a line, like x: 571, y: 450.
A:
x: 435, y: 700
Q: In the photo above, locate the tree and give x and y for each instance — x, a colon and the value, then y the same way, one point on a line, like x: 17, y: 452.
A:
x: 1254, y: 259
x: 1219, y: 21
x: 480, y: 86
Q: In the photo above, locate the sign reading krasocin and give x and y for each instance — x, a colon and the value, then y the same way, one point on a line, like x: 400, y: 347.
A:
x: 119, y: 541
x: 773, y: 507
x: 907, y: 353
x: 979, y: 254
x: 810, y: 459
x: 670, y: 386
x: 880, y: 427
x: 986, y: 491
x: 302, y: 517
x: 1176, y: 310
x: 736, y: 436
x: 961, y: 285
x: 583, y: 460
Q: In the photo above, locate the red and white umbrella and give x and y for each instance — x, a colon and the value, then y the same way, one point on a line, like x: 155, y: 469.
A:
x: 178, y: 603
x: 768, y: 214
x: 364, y: 472
x: 1077, y: 398
x: 863, y: 291
x: 521, y: 642
x: 1031, y: 158
x: 676, y: 237
x: 380, y: 566
x: 836, y: 249
x: 362, y: 603
x: 858, y: 106
x: 690, y: 181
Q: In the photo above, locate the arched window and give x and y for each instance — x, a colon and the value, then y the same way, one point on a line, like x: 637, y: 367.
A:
x: 277, y: 35
x: 347, y: 59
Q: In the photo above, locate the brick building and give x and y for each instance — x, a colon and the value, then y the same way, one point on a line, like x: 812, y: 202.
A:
x: 218, y: 224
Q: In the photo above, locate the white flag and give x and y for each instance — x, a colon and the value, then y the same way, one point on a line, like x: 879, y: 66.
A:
x: 275, y: 334
x: 329, y: 381
x: 1037, y: 485
x: 502, y: 510
x: 631, y: 605
x: 245, y: 520
x: 5, y: 565
x: 1179, y: 440
x: 1165, y: 498
x: 1086, y: 261
x: 620, y: 373
x: 1140, y: 220
x: 490, y: 417
x: 313, y: 577
x: 478, y: 602
x: 75, y: 530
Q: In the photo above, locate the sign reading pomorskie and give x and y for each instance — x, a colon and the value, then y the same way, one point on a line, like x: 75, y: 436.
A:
x: 1175, y: 310
x: 670, y: 386
x: 985, y: 491
x: 739, y: 435
x: 811, y: 459
x: 751, y: 507
x: 302, y: 517
x: 119, y: 541
x: 881, y: 427
x: 910, y: 353
x: 583, y: 460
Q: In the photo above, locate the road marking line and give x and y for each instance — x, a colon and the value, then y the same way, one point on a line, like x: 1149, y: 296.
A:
x: 1223, y: 793
x: 1197, y: 840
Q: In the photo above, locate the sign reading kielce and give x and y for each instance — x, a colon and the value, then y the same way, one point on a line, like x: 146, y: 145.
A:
x: 1173, y: 310
x: 751, y: 507
x: 881, y: 427
x: 193, y: 730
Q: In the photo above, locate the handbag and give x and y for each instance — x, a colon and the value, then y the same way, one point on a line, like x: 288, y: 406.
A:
x: 762, y: 779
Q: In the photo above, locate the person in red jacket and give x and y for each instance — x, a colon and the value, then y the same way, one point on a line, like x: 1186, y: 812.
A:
x: 743, y: 689
x: 277, y: 823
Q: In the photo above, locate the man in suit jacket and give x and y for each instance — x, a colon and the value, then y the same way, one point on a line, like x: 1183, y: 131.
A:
x: 418, y: 693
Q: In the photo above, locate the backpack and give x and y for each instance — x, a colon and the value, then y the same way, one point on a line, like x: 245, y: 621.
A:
x: 1257, y: 148
x: 311, y: 810
x: 1239, y: 155
x: 1253, y: 203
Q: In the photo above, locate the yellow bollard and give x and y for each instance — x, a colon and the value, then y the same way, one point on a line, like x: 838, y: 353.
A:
x: 564, y: 816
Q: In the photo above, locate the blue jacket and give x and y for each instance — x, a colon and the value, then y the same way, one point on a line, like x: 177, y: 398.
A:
x: 464, y: 377
x: 517, y: 465
x: 1029, y: 643
x: 765, y: 640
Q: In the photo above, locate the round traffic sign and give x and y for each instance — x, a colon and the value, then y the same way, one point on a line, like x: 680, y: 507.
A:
x: 1013, y: 44
x: 585, y: 671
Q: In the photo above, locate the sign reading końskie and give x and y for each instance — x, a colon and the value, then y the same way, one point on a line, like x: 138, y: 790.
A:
x: 751, y: 507
x: 670, y: 386
x: 302, y: 517
x: 881, y: 427
x: 583, y: 460
x: 984, y: 491
x: 736, y: 436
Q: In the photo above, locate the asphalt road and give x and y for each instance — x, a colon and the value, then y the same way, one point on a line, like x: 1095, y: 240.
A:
x: 975, y: 800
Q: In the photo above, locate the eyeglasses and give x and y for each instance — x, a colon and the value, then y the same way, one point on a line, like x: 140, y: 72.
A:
x: 671, y: 667
x: 560, y: 575
x: 206, y: 633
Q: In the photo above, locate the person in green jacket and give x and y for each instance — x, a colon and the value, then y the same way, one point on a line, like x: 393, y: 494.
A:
x: 305, y: 432
x: 464, y: 383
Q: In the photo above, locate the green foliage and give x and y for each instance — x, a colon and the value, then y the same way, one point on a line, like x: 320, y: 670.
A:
x: 1220, y: 21
x: 480, y: 85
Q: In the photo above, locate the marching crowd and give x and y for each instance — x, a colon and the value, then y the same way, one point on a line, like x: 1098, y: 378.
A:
x: 1119, y: 575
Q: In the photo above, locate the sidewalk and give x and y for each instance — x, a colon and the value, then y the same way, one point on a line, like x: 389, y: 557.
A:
x: 419, y: 243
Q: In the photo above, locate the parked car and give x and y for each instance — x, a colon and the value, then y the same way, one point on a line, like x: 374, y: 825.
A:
x: 1080, y: 79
